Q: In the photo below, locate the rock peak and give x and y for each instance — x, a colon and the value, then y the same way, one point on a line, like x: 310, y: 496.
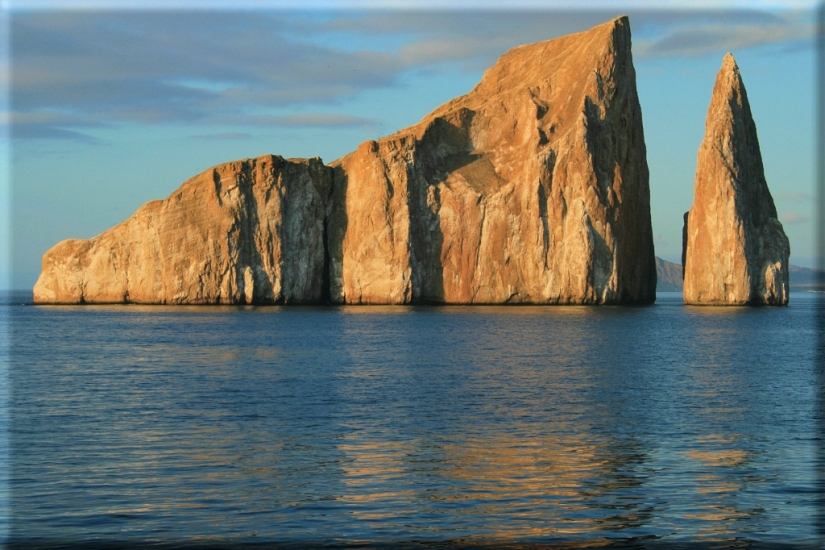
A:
x: 734, y: 248
x: 533, y: 187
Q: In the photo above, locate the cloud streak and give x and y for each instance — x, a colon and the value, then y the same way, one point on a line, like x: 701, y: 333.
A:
x: 223, y: 136
x: 793, y: 196
x: 714, y: 38
x: 49, y: 125
x: 310, y: 120
x: 792, y: 218
x: 29, y: 131
x: 253, y: 68
x: 176, y: 67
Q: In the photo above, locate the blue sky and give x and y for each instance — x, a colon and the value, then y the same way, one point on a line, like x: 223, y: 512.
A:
x: 112, y: 108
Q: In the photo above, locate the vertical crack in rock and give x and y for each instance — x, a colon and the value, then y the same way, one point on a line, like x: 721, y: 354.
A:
x: 735, y: 250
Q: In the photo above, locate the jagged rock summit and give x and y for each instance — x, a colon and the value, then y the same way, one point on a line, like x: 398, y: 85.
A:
x: 532, y: 188
x: 735, y: 251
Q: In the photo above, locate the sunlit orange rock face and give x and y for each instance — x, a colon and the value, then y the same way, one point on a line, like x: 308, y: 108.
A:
x: 532, y: 188
x: 735, y: 251
x: 249, y: 231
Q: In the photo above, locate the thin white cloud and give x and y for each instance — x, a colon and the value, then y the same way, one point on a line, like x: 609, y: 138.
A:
x: 44, y: 117
x: 303, y: 120
x: 50, y: 132
x: 792, y: 218
x: 661, y: 240
x: 425, y: 52
x: 48, y: 125
x: 223, y: 136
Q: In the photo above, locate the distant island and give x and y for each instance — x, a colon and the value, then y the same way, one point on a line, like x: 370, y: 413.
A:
x: 668, y: 276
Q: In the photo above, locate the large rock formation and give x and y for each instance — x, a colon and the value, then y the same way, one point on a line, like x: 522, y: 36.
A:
x: 532, y: 188
x: 735, y: 251
x: 250, y: 231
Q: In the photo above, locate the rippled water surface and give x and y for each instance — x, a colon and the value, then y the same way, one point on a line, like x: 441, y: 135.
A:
x: 463, y: 425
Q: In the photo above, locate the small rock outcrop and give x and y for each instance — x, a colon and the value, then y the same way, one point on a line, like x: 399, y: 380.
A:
x: 250, y: 231
x: 735, y: 251
x: 532, y: 188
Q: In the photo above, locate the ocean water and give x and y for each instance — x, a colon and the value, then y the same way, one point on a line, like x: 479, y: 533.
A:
x: 510, y: 426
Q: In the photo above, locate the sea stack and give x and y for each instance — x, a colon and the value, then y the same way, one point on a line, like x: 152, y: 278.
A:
x: 531, y: 188
x: 245, y: 232
x: 734, y: 250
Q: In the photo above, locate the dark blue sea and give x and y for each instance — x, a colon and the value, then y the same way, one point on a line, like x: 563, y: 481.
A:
x: 520, y: 426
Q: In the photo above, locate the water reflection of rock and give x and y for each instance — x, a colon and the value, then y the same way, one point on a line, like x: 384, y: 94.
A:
x: 505, y: 489
x: 523, y: 433
x: 372, y: 478
x: 551, y: 486
x: 722, y: 467
x: 729, y: 405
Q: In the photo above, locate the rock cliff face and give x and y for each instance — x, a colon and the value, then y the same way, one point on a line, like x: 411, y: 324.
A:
x: 735, y: 251
x: 532, y: 188
x: 250, y: 231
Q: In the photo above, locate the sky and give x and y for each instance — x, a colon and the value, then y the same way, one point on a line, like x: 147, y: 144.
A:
x: 106, y: 109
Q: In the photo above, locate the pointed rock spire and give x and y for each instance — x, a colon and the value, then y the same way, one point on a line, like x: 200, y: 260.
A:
x: 735, y: 251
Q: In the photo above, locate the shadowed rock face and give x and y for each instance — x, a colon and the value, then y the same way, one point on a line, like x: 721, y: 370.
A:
x: 735, y: 251
x: 250, y: 231
x: 532, y: 188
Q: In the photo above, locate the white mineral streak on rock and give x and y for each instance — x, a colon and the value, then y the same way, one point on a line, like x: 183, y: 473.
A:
x: 735, y: 251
